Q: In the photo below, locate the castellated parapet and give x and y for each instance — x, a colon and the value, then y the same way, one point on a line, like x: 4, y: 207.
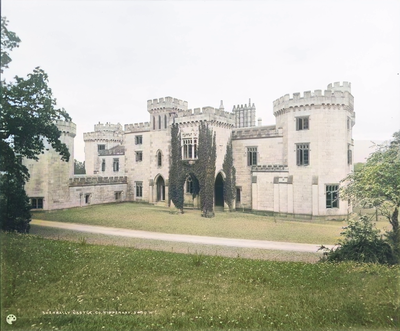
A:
x: 335, y: 94
x: 107, y: 131
x: 67, y: 128
x: 137, y: 127
x: 166, y: 103
x: 209, y: 114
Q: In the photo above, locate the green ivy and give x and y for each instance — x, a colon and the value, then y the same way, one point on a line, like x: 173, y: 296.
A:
x: 230, y: 177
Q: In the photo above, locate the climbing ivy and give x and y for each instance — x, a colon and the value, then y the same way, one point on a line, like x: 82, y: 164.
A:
x: 176, y: 178
x: 230, y: 177
x: 202, y: 171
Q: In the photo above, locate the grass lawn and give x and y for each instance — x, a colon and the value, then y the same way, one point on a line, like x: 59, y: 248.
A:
x: 62, y: 285
x: 231, y: 225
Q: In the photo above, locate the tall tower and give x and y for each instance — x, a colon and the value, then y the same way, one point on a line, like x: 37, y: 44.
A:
x: 245, y: 115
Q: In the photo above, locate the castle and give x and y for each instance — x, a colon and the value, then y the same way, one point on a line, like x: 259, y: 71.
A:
x: 291, y: 168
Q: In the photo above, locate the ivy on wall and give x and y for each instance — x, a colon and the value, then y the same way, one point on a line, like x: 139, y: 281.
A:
x: 202, y: 171
x: 230, y: 177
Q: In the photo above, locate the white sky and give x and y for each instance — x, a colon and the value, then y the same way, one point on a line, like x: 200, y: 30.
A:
x: 105, y: 59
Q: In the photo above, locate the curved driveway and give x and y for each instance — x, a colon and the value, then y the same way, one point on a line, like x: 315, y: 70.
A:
x: 233, y: 242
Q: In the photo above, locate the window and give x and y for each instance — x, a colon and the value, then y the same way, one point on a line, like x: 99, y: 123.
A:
x: 118, y: 195
x: 303, y: 154
x: 251, y: 156
x: 37, y: 203
x: 189, y: 185
x: 87, y: 198
x: 349, y: 155
x: 154, y: 122
x: 139, y: 156
x: 101, y: 148
x: 139, y: 189
x: 165, y: 122
x: 159, y: 159
x: 238, y: 197
x: 103, y: 165
x: 138, y: 140
x: 116, y: 165
x: 302, y: 123
x: 332, y: 196
x: 190, y: 148
x: 159, y: 122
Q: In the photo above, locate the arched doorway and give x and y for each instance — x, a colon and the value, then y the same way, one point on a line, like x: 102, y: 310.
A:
x: 219, y: 191
x: 160, y: 184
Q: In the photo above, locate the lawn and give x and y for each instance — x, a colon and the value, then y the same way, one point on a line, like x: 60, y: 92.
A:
x: 64, y: 285
x: 231, y: 225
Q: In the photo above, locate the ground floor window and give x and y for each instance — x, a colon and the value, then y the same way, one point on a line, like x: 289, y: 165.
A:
x: 238, y: 197
x: 332, y: 196
x: 189, y: 185
x: 87, y: 198
x: 118, y: 196
x: 37, y: 203
x: 139, y: 189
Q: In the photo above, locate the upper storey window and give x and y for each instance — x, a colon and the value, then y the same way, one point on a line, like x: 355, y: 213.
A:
x: 101, y: 148
x: 251, y: 156
x: 189, y: 146
x: 303, y: 154
x: 302, y: 123
x: 138, y: 140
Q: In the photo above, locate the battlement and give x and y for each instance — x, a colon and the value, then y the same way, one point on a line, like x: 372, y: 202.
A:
x: 65, y: 127
x: 108, y: 127
x: 257, y: 132
x: 166, y: 103
x: 345, y: 86
x: 103, y: 136
x: 92, y: 180
x: 137, y: 127
x: 336, y: 94
x: 207, y: 111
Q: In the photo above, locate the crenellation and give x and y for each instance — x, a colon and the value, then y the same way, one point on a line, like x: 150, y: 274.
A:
x: 166, y: 103
x: 137, y: 127
x: 68, y: 128
x: 108, y: 127
x: 338, y: 95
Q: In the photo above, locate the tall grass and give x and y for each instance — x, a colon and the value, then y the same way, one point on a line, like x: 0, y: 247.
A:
x: 59, y: 285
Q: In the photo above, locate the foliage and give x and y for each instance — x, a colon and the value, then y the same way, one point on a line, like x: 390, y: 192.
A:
x: 361, y: 242
x: 9, y: 40
x: 14, y: 204
x: 27, y: 123
x: 205, y: 169
x: 358, y: 166
x: 79, y: 167
x: 378, y: 184
x: 230, y: 177
x: 169, y: 291
x: 176, y: 176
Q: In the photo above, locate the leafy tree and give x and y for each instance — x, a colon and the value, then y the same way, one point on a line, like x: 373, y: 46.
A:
x: 79, y: 167
x: 27, y: 122
x: 230, y: 177
x: 378, y: 184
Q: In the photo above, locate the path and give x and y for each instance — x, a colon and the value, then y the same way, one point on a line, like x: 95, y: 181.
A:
x: 233, y: 242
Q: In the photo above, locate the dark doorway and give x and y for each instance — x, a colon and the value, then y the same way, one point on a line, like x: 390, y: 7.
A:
x: 160, y: 189
x: 219, y: 191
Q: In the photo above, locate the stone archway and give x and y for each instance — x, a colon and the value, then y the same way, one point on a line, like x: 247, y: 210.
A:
x: 219, y: 191
x: 160, y: 187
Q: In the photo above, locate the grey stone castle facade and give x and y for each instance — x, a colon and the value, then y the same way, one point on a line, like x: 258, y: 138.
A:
x: 293, y: 167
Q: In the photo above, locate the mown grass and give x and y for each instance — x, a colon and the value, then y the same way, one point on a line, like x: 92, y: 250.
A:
x: 117, y: 288
x: 231, y: 225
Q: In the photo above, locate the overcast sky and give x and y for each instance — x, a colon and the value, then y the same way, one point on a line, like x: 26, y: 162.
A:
x: 105, y: 59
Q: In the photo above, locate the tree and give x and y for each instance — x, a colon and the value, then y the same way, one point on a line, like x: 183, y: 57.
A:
x: 79, y: 167
x: 230, y: 177
x: 377, y: 184
x: 27, y: 122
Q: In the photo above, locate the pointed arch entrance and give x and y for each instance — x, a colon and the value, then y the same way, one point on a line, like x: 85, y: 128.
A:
x: 219, y: 191
x: 160, y: 186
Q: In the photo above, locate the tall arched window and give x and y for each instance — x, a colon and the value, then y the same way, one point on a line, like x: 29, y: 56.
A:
x: 159, y: 122
x: 159, y: 159
x: 165, y: 121
x: 154, y: 122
